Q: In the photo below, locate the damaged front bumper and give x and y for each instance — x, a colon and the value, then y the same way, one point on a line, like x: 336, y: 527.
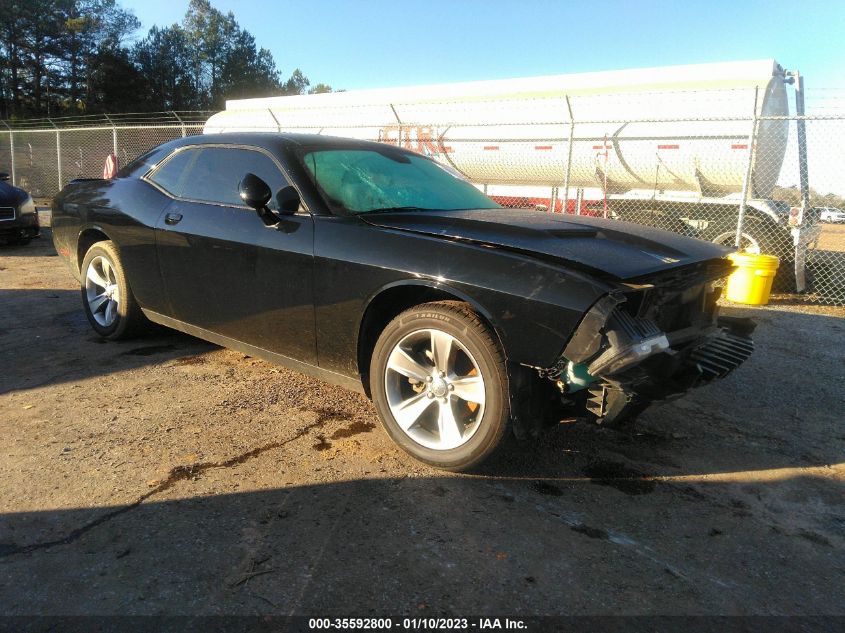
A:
x: 649, y: 344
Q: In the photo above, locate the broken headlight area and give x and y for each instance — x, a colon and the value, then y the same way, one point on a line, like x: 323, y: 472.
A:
x: 653, y: 340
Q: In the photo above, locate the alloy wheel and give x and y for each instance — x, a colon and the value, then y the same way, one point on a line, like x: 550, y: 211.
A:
x: 435, y: 389
x: 102, y: 291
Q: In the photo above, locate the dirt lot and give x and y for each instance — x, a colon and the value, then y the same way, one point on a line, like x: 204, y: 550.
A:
x: 832, y: 237
x: 166, y: 475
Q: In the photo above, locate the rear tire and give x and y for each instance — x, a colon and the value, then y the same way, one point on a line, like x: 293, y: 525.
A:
x: 107, y: 298
x: 440, y: 385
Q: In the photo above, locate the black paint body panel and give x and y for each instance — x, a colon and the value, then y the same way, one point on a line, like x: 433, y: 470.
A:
x: 621, y: 250
x: 301, y: 289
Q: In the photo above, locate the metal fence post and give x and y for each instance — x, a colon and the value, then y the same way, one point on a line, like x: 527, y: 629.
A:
x: 803, y: 181
x: 58, y: 152
x: 399, y: 128
x: 10, y: 143
x: 568, y: 157
x: 801, y: 137
x: 746, y: 181
x: 182, y: 123
x: 270, y: 110
x: 113, y: 135
x: 11, y: 151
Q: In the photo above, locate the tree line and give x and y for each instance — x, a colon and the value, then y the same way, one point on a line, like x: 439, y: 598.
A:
x: 71, y: 57
x: 792, y: 195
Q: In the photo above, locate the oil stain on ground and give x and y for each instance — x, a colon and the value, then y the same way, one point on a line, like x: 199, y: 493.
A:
x: 328, y: 415
x: 619, y: 476
x: 353, y: 429
x: 322, y: 444
x: 176, y: 474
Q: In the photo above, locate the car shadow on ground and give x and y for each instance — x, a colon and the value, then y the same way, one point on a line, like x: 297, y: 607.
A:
x: 427, y: 546
x: 48, y: 329
x: 826, y: 278
x: 38, y: 247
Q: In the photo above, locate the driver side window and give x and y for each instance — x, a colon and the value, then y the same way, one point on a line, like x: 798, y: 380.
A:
x: 212, y: 174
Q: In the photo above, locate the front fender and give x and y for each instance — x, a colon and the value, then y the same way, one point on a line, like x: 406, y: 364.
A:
x: 533, y: 305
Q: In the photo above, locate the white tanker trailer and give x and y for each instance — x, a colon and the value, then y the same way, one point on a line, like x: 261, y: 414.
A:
x: 673, y: 147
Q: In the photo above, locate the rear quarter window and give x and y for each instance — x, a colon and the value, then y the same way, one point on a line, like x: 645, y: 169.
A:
x: 173, y: 174
x: 143, y: 163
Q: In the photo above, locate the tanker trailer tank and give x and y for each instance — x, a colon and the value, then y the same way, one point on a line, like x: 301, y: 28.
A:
x: 662, y: 146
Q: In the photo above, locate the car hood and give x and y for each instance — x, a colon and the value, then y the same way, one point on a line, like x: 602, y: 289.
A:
x: 621, y: 250
x: 10, y: 195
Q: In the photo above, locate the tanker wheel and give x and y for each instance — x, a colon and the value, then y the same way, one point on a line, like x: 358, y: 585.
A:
x: 748, y: 243
x: 759, y: 236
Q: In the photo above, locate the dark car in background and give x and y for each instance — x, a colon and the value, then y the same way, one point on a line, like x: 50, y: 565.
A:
x: 18, y: 215
x: 380, y: 270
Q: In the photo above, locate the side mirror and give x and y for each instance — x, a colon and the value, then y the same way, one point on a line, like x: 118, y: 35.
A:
x: 288, y: 200
x: 4, y: 176
x: 254, y: 192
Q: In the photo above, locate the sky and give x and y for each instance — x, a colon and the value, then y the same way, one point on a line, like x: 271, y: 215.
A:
x: 380, y: 43
x: 357, y: 44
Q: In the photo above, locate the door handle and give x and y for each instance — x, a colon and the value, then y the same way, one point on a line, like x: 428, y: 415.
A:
x: 172, y: 218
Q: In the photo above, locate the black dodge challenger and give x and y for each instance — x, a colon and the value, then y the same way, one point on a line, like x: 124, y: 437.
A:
x: 380, y: 270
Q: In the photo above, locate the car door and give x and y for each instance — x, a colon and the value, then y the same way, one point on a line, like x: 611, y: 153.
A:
x: 223, y: 269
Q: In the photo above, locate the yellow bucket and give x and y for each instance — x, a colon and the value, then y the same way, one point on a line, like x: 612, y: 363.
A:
x: 751, y: 282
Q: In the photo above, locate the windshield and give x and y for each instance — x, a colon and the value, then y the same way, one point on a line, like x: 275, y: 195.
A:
x: 368, y: 181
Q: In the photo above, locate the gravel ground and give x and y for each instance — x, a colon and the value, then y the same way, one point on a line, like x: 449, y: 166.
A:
x: 832, y: 237
x: 165, y: 475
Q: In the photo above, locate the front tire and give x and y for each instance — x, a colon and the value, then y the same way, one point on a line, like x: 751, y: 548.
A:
x: 440, y: 385
x: 107, y: 299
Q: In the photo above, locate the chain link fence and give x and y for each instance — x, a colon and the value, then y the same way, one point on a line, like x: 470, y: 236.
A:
x: 43, y: 155
x: 725, y: 172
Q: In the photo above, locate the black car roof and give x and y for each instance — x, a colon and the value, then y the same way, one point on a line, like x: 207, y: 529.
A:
x: 274, y: 139
x: 271, y: 141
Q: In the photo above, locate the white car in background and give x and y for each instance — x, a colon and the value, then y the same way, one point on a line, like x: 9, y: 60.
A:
x: 831, y: 214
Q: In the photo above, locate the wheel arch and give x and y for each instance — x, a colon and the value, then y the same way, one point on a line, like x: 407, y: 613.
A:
x: 86, y: 239
x: 391, y: 300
